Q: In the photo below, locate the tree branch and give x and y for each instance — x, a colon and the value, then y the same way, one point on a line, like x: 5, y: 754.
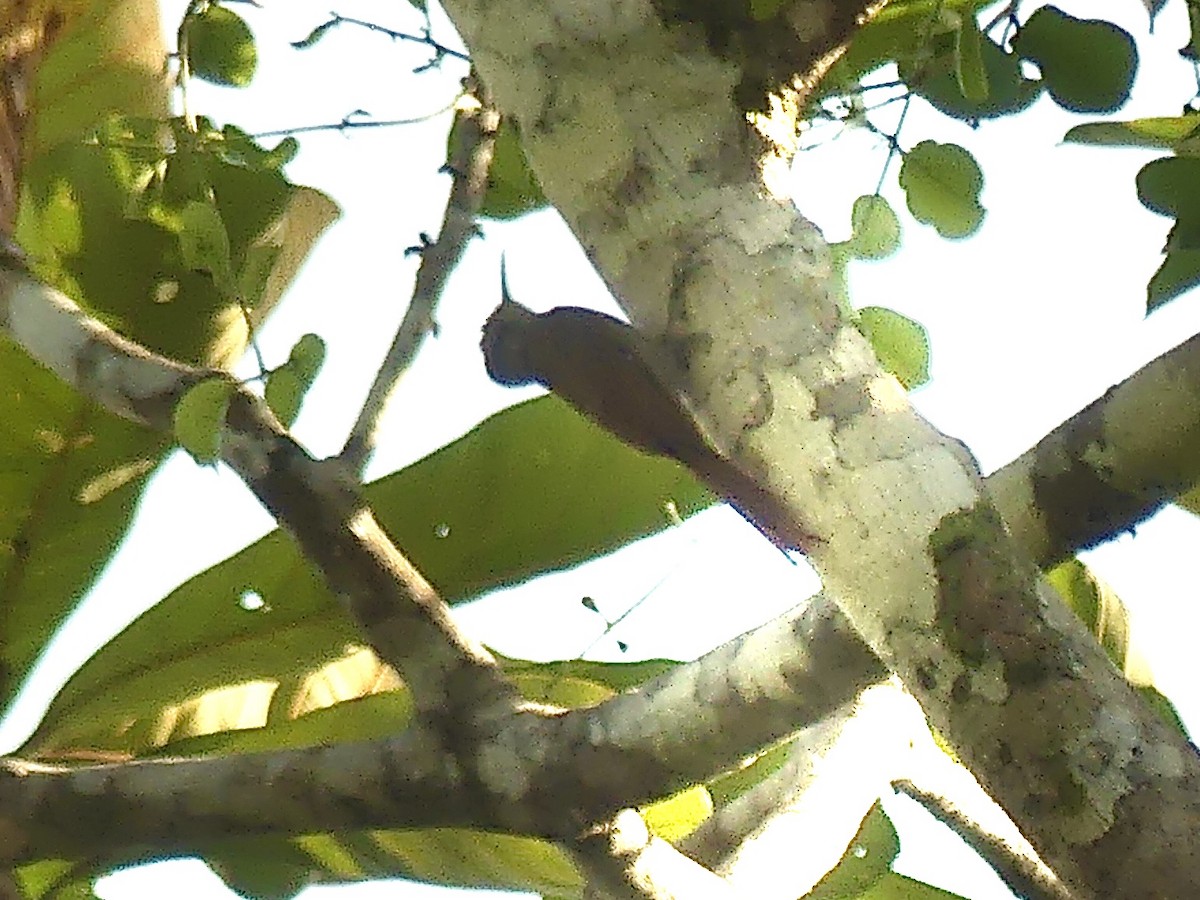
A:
x: 318, y: 502
x: 178, y: 806
x: 623, y: 860
x: 1024, y: 874
x: 1109, y: 466
x: 736, y: 289
x: 469, y: 166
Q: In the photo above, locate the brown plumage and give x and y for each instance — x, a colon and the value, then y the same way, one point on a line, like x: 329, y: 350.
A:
x: 605, y: 370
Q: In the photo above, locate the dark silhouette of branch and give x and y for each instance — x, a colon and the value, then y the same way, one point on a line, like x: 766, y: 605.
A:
x: 349, y: 122
x: 440, y: 50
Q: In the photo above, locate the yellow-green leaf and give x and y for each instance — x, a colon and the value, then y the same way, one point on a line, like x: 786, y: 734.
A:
x: 198, y: 418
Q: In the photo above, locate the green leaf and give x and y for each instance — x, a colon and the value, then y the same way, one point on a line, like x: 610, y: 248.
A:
x: 942, y: 85
x: 284, y: 393
x: 674, y: 818
x: 221, y: 47
x: 315, y: 35
x: 199, y: 416
x: 727, y: 788
x: 614, y: 677
x: 455, y: 857
x: 893, y: 886
x: 204, y: 243
x: 1179, y: 273
x: 51, y: 879
x: 867, y: 859
x: 533, y: 489
x: 307, y: 356
x: 1097, y: 606
x: 969, y: 68
x: 1170, y: 186
x: 287, y: 385
x: 1157, y: 132
x: 1088, y: 65
x: 875, y: 228
x: 513, y: 189
x: 840, y: 256
x: 901, y: 32
x: 942, y: 183
x: 765, y: 10
x: 901, y: 344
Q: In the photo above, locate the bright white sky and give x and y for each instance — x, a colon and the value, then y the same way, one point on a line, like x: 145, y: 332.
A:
x: 1030, y: 320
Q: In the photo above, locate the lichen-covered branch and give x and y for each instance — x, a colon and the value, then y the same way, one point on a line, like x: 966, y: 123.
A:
x: 178, y: 806
x: 1110, y: 465
x: 652, y: 164
x: 319, y: 503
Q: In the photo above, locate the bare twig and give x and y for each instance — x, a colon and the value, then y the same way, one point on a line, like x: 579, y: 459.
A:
x: 469, y: 165
x: 1025, y: 875
x: 350, y: 122
x: 440, y: 51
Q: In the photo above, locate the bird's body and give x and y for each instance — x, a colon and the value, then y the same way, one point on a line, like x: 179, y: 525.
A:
x: 605, y: 370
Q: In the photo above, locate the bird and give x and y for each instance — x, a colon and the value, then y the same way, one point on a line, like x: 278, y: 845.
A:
x: 607, y: 370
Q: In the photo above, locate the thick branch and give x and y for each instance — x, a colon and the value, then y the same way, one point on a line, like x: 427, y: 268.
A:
x: 1110, y: 465
x: 177, y: 806
x: 712, y: 713
x: 652, y: 165
x: 318, y: 503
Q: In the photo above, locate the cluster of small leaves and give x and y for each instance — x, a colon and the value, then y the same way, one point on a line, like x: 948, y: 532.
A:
x: 900, y: 343
x: 200, y: 413
x: 215, y: 189
x: 946, y: 59
x: 212, y: 194
x: 1169, y: 186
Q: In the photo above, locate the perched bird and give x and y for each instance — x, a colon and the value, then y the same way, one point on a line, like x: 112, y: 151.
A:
x: 606, y: 370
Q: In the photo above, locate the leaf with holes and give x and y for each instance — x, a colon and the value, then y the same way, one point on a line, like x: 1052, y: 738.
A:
x: 533, y: 489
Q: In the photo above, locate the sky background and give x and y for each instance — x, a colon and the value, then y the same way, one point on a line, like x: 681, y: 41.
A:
x: 1029, y: 320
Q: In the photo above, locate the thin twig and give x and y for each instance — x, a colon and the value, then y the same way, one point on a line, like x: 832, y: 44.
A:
x: 470, y: 162
x: 440, y: 50
x: 1025, y: 876
x: 348, y: 122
